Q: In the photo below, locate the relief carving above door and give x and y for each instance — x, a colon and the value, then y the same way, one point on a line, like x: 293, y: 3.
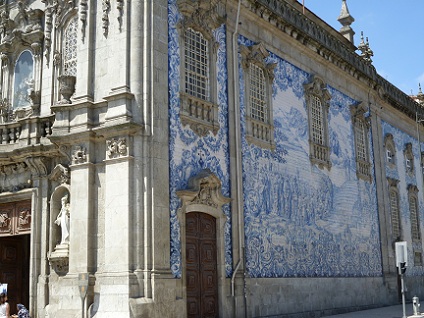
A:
x: 15, y: 218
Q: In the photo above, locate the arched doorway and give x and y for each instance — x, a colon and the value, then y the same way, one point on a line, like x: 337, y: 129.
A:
x: 201, y: 266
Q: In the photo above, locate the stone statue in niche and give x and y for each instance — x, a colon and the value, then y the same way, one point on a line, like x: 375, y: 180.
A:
x: 62, y: 219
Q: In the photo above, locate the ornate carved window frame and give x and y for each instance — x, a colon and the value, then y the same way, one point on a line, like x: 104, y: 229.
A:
x: 204, y: 194
x: 259, y: 131
x: 316, y: 91
x: 394, y: 208
x: 361, y: 128
x: 390, y: 153
x: 202, y: 18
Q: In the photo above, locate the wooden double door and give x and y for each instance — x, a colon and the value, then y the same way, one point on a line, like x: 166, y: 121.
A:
x: 201, y: 266
x: 15, y: 229
x: 14, y: 269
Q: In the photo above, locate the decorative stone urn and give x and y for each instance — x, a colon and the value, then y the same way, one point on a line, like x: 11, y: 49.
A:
x: 66, y: 88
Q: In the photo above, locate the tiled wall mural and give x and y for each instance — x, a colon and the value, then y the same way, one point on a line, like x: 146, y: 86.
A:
x: 189, y: 153
x: 301, y: 221
x: 398, y: 172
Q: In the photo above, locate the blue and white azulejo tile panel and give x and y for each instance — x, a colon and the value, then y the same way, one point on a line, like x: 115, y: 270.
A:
x: 398, y: 172
x: 301, y: 221
x: 189, y: 153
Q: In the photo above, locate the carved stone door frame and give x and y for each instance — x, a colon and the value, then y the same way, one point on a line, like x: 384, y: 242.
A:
x: 204, y: 194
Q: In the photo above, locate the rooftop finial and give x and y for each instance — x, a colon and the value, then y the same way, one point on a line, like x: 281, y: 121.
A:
x: 346, y: 20
x: 364, y: 47
x: 420, y: 95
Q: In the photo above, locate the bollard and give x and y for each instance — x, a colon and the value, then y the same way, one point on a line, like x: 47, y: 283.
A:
x: 416, y: 305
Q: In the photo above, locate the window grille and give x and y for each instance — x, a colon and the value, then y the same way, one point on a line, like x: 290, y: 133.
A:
x: 258, y: 107
x: 259, y: 75
x: 318, y: 103
x: 317, y: 121
x: 70, y: 48
x: 363, y: 165
x: 196, y: 65
x: 361, y: 150
x: 394, y: 209
x: 418, y: 259
x: 415, y: 230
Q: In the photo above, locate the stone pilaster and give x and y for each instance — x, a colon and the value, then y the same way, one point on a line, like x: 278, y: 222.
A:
x: 82, y: 227
x: 116, y: 284
x: 39, y: 264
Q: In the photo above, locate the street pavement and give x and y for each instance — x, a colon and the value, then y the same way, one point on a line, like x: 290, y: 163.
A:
x: 384, y: 312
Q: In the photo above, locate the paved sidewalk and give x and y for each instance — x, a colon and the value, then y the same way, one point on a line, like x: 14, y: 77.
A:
x: 384, y: 312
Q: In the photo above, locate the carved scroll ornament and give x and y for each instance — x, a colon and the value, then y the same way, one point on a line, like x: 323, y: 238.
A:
x: 205, y: 14
x: 60, y: 174
x: 116, y: 148
x: 204, y: 188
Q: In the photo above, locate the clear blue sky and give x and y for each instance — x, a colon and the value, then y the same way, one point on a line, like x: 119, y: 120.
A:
x: 395, y: 30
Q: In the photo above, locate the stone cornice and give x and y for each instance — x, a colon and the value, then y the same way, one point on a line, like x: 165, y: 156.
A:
x: 297, y: 25
x: 10, y: 155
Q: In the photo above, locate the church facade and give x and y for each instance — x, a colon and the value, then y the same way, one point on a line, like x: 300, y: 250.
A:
x: 180, y: 158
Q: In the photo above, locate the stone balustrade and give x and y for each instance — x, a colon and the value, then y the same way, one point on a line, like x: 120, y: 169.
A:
x: 27, y: 131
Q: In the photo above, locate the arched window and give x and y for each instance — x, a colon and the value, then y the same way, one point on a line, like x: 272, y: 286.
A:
x: 23, y: 80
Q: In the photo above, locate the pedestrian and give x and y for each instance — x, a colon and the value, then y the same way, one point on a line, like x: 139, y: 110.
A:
x: 22, y: 311
x: 4, y: 306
